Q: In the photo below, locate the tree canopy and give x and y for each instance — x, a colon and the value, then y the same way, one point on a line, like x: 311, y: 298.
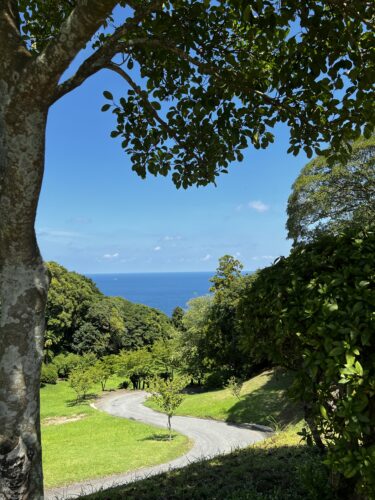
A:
x: 80, y: 318
x: 327, y: 198
x: 216, y: 76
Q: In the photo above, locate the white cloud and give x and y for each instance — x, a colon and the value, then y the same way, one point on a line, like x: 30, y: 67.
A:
x: 157, y: 249
x: 172, y: 238
x: 259, y: 206
x: 207, y: 257
x: 111, y: 255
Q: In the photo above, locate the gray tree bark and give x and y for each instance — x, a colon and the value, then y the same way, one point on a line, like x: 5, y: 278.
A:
x: 23, y: 294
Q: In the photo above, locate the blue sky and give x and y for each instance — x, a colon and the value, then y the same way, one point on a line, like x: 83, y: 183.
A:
x: 97, y: 216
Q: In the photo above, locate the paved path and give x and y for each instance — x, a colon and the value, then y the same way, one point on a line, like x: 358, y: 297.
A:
x: 210, y: 438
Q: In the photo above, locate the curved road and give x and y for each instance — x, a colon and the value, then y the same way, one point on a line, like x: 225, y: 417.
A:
x: 210, y: 438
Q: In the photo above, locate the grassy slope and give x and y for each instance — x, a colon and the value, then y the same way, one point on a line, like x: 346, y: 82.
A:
x: 263, y: 401
x: 99, y: 444
x: 278, y: 468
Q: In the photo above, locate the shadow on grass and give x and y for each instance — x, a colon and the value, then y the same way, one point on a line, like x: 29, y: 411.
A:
x: 158, y: 437
x: 269, y: 473
x: 83, y: 401
x: 268, y: 404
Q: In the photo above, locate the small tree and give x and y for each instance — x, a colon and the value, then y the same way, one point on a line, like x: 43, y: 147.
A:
x: 235, y: 385
x: 103, y: 370
x: 81, y: 382
x: 167, y: 394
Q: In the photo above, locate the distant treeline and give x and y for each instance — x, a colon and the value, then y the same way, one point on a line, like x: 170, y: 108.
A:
x: 80, y: 319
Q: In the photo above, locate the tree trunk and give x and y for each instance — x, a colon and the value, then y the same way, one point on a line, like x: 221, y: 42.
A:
x: 309, y: 418
x: 23, y: 293
x: 170, y: 427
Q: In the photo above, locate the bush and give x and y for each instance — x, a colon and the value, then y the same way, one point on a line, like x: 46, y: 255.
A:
x: 65, y: 363
x: 49, y: 374
x: 235, y: 385
x: 124, y: 384
x: 313, y: 313
x: 81, y: 381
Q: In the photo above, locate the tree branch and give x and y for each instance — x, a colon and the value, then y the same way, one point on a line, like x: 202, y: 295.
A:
x: 206, y: 69
x: 101, y: 58
x: 13, y: 52
x: 146, y: 103
x: 78, y: 29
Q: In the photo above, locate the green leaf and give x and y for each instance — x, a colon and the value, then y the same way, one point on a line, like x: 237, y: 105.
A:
x: 156, y: 105
x: 350, y: 358
x: 323, y: 412
x: 363, y: 283
x: 106, y: 107
x: 336, y: 351
x: 108, y: 95
x: 359, y: 368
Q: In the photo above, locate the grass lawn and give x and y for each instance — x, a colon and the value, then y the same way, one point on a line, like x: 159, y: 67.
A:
x: 279, y: 468
x: 96, y: 444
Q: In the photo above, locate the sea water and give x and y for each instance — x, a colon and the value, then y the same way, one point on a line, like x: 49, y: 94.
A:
x: 164, y: 291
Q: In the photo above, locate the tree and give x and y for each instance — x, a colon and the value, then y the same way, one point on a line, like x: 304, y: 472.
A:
x: 167, y: 356
x: 227, y: 272
x: 235, y: 385
x: 328, y: 197
x: 313, y: 313
x: 193, y: 351
x: 103, y: 370
x: 167, y: 394
x: 105, y: 326
x: 177, y: 318
x: 137, y: 365
x: 81, y: 381
x: 89, y: 339
x: 225, y: 72
x: 222, y: 336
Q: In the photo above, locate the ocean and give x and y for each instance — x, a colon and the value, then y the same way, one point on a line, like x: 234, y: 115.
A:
x: 164, y: 291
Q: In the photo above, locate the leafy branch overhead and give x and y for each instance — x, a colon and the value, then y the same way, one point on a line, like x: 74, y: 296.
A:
x: 203, y: 80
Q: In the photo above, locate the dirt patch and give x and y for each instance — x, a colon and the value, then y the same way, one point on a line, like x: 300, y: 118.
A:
x: 62, y: 420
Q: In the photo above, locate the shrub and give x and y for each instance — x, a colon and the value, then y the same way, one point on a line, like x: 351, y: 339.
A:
x: 124, y: 384
x: 314, y: 313
x: 234, y: 385
x: 65, y: 363
x: 103, y: 370
x: 49, y: 374
x: 81, y: 381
